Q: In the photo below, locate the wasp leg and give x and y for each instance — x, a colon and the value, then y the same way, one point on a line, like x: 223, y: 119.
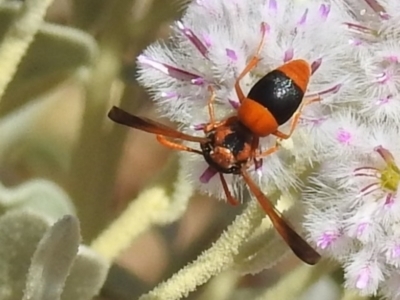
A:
x: 167, y: 143
x: 258, y: 153
x: 232, y: 201
x: 268, y: 151
x: 210, y: 105
x: 251, y: 64
x: 212, y: 124
x: 295, y: 119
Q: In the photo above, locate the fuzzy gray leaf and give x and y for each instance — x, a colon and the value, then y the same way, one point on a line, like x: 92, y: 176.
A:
x: 20, y: 232
x: 52, y: 260
x: 87, y: 276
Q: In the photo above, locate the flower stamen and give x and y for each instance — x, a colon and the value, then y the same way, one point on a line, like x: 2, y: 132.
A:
x: 369, y: 189
x: 315, y: 65
x: 376, y: 7
x: 231, y: 54
x: 168, y: 69
x: 384, y: 100
x: 235, y: 104
x: 361, y: 29
x: 327, y: 239
x: 168, y: 95
x: 363, y: 278
x: 324, y: 10
x: 288, y: 55
x: 208, y: 174
x: 273, y: 6
x: 367, y: 172
x: 331, y: 90
x: 343, y: 136
x: 303, y: 18
x: 193, y: 38
x: 313, y: 121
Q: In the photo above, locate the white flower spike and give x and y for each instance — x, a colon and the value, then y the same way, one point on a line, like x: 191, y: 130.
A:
x: 347, y: 141
x: 199, y: 54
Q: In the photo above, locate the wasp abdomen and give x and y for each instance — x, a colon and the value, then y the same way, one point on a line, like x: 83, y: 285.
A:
x: 277, y: 92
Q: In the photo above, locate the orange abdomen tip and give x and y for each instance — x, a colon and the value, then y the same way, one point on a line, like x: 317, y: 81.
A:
x: 299, y: 71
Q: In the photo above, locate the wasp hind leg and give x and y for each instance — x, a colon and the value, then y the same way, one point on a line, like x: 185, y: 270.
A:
x: 295, y: 119
x: 251, y: 64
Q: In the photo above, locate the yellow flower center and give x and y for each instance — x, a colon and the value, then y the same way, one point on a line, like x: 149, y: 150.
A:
x: 390, y: 177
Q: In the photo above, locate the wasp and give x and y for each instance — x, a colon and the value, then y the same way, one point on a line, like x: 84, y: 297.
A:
x: 231, y: 146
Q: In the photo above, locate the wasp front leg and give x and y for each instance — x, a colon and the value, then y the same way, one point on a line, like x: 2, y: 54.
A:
x: 175, y: 146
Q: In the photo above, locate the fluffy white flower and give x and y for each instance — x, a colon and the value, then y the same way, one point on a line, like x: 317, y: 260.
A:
x: 364, y: 272
x: 354, y: 198
x: 212, y: 44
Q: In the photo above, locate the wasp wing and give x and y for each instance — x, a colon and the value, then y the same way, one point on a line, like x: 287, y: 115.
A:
x: 122, y: 117
x: 298, y: 245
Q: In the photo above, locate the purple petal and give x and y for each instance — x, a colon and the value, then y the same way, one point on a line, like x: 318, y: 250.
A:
x: 385, y: 154
x: 303, y: 19
x: 389, y: 201
x: 258, y: 164
x: 273, y: 6
x: 395, y: 253
x: 315, y: 65
x: 355, y: 42
x: 168, y: 95
x: 198, y: 81
x: 208, y: 174
x: 392, y: 58
x: 231, y: 54
x: 324, y: 10
x: 326, y: 240
x: 343, y: 136
x: 235, y: 104
x: 313, y: 121
x: 331, y: 90
x: 193, y: 38
x: 198, y: 126
x: 265, y: 28
x: 384, y: 100
x: 167, y: 69
x: 382, y: 77
x: 361, y: 228
x: 207, y: 40
x: 360, y: 28
x: 384, y: 15
x: 288, y: 55
x: 363, y: 279
x: 376, y: 7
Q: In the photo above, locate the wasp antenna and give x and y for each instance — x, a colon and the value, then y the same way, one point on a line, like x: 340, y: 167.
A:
x: 298, y: 245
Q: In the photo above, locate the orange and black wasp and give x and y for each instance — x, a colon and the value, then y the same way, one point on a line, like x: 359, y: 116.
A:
x: 231, y: 146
